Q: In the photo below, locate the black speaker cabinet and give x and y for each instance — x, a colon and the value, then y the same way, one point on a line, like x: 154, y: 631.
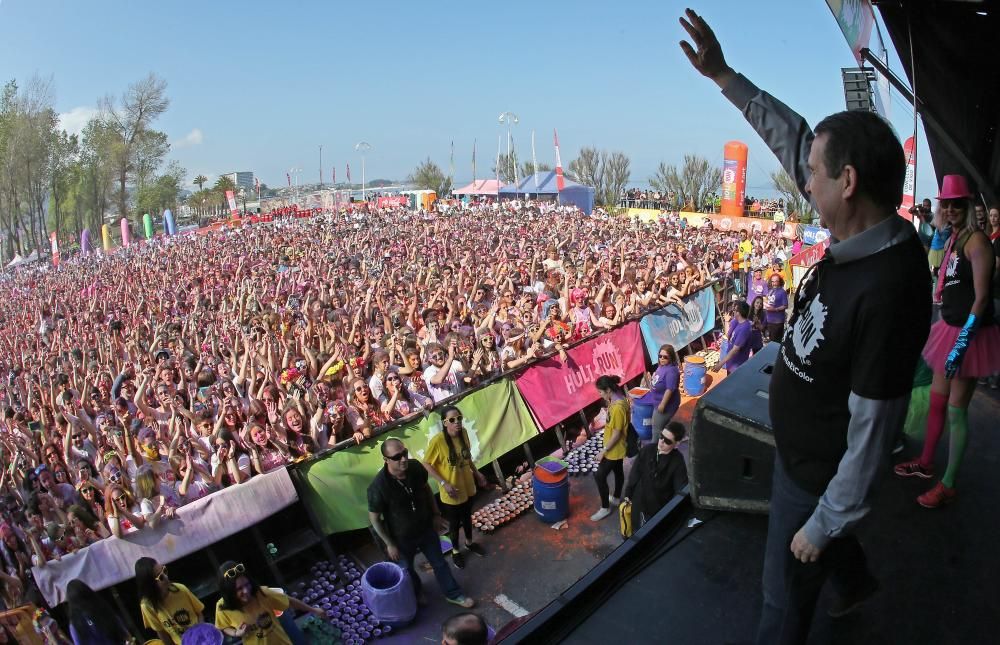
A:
x: 731, y: 458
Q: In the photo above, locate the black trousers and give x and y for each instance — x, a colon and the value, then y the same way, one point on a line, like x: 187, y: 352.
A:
x: 790, y: 587
x: 616, y: 466
x: 775, y: 332
x: 458, y: 516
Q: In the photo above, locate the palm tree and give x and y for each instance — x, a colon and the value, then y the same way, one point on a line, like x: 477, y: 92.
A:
x: 224, y: 183
x: 200, y: 181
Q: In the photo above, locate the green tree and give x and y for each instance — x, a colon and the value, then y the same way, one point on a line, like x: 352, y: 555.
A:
x: 795, y: 201
x: 155, y: 196
x: 691, y: 184
x: 200, y: 181
x: 527, y: 169
x: 428, y: 176
x: 508, y: 168
x: 28, y: 127
x: 222, y: 184
x: 65, y: 152
x: 130, y: 119
x: 614, y: 175
x: 97, y: 172
x: 586, y: 168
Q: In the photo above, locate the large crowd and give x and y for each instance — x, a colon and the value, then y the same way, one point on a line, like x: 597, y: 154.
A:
x: 144, y: 379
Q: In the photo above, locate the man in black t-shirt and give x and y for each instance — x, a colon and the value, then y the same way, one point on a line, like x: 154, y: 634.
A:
x: 841, y: 385
x: 402, y: 511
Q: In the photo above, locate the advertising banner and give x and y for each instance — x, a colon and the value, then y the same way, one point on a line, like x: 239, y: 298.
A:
x: 812, y: 234
x: 397, y: 200
x: 810, y: 256
x: 679, y: 326
x: 231, y: 198
x: 855, y: 18
x: 554, y: 390
x: 909, y: 199
x: 335, y: 487
x: 54, y: 245
x: 732, y: 223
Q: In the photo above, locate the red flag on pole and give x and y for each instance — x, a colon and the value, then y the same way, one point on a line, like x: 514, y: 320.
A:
x: 560, y: 182
x: 348, y: 173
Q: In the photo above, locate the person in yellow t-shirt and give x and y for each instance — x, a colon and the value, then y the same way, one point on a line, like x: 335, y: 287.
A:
x: 448, y: 460
x: 611, y: 459
x: 168, y: 608
x: 745, y: 249
x: 248, y: 611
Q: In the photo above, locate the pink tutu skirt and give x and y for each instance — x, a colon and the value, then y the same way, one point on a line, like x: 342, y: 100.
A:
x: 982, y: 359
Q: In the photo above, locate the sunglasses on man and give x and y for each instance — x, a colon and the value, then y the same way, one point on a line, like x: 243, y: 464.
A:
x: 399, y: 456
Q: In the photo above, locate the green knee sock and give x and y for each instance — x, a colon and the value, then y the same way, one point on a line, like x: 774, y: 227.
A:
x: 959, y: 428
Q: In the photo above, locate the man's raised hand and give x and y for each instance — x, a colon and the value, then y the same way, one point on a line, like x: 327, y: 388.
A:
x: 706, y: 55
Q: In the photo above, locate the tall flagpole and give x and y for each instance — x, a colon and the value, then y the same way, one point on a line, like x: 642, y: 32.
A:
x: 499, y: 136
x: 473, y: 163
x: 534, y: 162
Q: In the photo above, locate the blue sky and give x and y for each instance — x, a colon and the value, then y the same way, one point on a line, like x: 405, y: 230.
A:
x: 260, y: 85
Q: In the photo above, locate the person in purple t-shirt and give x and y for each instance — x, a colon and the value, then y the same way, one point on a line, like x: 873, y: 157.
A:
x: 738, y: 337
x: 663, y: 393
x: 775, y: 306
x: 756, y: 285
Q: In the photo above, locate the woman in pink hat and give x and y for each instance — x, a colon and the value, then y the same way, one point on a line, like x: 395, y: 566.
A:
x: 964, y: 345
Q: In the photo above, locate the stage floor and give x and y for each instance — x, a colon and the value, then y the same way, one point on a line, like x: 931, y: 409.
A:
x: 938, y: 568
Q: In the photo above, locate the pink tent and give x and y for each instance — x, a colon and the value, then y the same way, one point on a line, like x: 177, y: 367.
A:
x: 481, y: 187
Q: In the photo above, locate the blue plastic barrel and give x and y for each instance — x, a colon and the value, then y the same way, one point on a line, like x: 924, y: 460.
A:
x: 642, y: 420
x: 551, y: 500
x: 694, y: 375
x: 387, y: 591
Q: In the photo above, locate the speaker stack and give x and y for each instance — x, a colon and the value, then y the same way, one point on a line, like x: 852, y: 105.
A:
x: 731, y: 458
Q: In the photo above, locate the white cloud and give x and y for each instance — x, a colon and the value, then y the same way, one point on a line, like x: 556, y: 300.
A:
x: 76, y: 119
x: 192, y: 138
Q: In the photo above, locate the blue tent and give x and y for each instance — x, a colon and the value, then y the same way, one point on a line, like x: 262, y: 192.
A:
x: 573, y: 194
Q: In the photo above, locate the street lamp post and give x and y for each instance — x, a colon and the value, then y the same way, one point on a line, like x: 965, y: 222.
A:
x: 511, y: 120
x: 363, y: 147
x: 295, y: 190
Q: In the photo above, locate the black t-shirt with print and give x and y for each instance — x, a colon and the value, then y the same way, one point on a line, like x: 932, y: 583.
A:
x: 857, y: 326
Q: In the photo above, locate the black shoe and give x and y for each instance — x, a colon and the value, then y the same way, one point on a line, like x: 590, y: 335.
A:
x: 843, y: 605
x: 458, y: 559
x: 475, y: 548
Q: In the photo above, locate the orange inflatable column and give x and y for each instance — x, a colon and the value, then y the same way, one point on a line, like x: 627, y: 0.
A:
x: 734, y: 178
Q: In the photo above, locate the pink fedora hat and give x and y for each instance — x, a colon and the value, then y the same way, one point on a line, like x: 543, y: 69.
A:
x: 954, y: 187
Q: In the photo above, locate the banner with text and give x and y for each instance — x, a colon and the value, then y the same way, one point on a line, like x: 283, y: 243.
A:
x: 679, y: 326
x: 231, y: 198
x: 335, y: 487
x: 812, y: 234
x: 554, y: 390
